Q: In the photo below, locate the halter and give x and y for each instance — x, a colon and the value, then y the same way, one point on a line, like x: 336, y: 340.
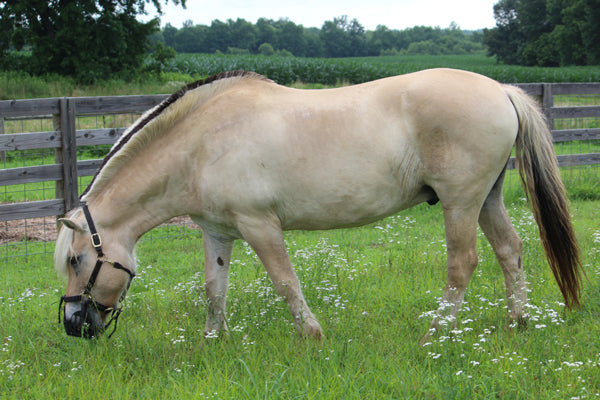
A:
x: 86, y: 296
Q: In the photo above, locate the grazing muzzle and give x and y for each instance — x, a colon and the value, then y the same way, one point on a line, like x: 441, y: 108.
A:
x: 87, y: 321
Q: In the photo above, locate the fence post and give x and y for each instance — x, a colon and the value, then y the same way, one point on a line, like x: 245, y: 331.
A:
x: 548, y: 103
x: 67, y: 154
x: 2, y: 153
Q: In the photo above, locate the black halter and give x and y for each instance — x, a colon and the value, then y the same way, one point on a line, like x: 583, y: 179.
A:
x: 86, y: 296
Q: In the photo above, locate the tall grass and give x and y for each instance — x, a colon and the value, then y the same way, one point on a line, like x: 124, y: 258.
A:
x: 20, y: 85
x: 371, y: 288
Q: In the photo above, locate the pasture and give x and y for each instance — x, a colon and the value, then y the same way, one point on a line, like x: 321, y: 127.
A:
x: 372, y: 288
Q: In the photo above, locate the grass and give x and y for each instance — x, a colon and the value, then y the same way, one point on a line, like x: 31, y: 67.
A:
x: 20, y: 85
x: 371, y: 288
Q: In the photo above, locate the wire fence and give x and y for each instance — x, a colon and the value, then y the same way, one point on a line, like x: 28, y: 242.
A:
x: 25, y: 237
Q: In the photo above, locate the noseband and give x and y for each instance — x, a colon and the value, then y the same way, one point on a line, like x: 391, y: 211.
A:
x: 86, y: 296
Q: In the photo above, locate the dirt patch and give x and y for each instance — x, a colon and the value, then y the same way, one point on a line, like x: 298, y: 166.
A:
x: 44, y: 229
x: 31, y: 229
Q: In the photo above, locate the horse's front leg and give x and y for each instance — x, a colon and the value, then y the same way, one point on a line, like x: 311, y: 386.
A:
x: 217, y: 256
x: 266, y: 238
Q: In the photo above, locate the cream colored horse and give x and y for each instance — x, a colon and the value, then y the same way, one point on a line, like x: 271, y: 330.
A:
x: 247, y: 158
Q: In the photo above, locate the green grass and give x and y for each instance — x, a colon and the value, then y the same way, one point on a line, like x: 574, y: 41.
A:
x: 20, y: 85
x: 371, y: 288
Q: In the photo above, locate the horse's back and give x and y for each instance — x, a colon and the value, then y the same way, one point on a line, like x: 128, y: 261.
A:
x: 347, y: 156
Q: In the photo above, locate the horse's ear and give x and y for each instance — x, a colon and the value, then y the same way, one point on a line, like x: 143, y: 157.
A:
x: 71, y: 224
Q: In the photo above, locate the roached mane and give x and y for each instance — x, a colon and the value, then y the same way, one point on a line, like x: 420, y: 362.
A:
x: 161, y: 117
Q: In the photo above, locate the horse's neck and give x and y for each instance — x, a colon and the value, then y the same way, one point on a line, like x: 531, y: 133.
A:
x: 142, y: 195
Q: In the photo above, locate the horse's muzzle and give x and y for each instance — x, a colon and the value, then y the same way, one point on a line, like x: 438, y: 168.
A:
x: 85, y: 322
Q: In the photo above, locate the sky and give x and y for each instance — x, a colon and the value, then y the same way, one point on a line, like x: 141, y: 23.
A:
x: 395, y: 14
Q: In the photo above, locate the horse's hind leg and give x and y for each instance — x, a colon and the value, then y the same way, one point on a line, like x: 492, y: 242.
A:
x: 266, y: 238
x: 217, y: 256
x: 507, y: 245
x: 461, y: 238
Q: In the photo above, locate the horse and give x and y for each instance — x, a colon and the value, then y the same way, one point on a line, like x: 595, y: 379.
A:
x: 247, y: 158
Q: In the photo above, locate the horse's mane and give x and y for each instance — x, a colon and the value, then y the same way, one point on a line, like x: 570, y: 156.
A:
x: 160, y: 118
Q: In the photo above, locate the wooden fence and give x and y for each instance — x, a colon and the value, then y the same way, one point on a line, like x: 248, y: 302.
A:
x: 65, y: 139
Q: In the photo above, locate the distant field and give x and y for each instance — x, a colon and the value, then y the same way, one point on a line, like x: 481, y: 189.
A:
x: 285, y: 70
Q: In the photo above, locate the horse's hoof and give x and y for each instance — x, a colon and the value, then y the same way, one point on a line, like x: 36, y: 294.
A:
x: 312, y: 330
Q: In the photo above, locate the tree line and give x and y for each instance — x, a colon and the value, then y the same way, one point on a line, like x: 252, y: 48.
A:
x: 340, y: 37
x: 93, y: 40
x: 545, y: 32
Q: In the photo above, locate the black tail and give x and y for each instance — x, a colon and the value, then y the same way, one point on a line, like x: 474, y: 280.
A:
x: 540, y: 175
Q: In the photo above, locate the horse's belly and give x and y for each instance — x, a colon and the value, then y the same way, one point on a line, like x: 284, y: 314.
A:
x: 344, y: 207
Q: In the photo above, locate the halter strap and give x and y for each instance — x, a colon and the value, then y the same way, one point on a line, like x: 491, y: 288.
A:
x: 86, y: 296
x: 96, y: 240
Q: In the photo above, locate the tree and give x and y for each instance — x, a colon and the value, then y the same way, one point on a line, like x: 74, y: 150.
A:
x: 190, y: 38
x: 218, y: 37
x: 291, y: 38
x: 344, y: 38
x: 266, y: 32
x: 169, y: 32
x: 545, y: 32
x: 161, y: 54
x: 243, y: 34
x: 87, y: 39
x: 314, y: 45
x: 503, y: 40
x: 341, y: 37
x: 590, y: 29
x: 266, y: 49
x: 382, y: 39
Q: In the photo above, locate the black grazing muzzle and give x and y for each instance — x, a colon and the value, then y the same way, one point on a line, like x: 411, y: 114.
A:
x: 87, y: 321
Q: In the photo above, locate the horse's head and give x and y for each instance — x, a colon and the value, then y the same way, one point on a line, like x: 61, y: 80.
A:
x: 97, y: 283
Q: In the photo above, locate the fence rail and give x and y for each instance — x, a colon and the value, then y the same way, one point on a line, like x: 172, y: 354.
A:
x: 65, y: 139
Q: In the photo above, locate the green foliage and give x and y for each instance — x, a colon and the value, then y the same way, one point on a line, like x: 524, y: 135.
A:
x: 237, y: 51
x: 266, y: 49
x: 546, y: 32
x: 341, y: 37
x: 156, y: 61
x: 89, y: 40
x: 424, y: 47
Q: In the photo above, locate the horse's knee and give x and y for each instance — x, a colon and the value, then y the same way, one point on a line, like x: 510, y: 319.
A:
x: 509, y: 253
x: 460, y: 268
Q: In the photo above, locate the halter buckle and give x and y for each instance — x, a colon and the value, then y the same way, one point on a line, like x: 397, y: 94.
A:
x: 96, y: 240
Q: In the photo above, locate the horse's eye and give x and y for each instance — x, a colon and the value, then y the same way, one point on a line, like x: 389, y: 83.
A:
x: 74, y: 261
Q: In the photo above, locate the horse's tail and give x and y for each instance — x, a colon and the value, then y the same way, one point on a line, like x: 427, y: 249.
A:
x: 540, y: 176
